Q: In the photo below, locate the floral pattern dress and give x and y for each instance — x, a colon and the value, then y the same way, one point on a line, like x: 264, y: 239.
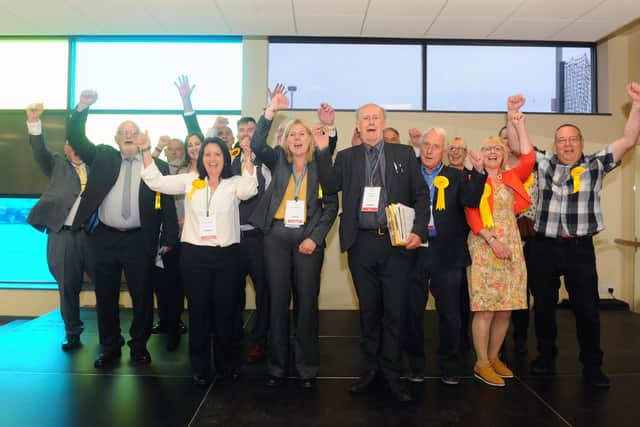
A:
x: 497, y: 284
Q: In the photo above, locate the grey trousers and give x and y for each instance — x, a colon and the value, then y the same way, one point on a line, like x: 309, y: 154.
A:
x: 68, y: 260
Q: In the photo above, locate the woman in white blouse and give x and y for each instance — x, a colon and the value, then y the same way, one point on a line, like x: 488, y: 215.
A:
x: 210, y: 248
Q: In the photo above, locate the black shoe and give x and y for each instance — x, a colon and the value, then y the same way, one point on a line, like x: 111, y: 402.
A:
x: 542, y: 366
x: 596, y: 378
x: 71, y: 342
x: 140, y: 357
x: 106, y: 360
x: 400, y: 392
x: 200, y: 380
x: 308, y: 383
x: 415, y: 377
x: 173, y: 341
x: 273, y: 381
x: 363, y: 383
x: 159, y: 328
x: 450, y: 380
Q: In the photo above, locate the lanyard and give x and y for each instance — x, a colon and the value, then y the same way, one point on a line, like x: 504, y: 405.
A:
x: 210, y: 194
x: 297, y: 180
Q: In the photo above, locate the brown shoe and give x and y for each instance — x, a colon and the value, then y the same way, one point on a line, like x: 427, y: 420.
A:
x: 501, y: 369
x: 255, y: 353
x: 486, y: 374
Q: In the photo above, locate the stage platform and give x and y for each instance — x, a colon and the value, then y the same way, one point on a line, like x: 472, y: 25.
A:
x: 41, y: 386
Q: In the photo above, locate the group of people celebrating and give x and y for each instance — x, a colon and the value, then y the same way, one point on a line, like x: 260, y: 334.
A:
x: 264, y: 211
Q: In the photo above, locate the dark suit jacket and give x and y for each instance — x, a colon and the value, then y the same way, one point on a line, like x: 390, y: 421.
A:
x: 321, y: 212
x: 104, y: 162
x: 62, y: 191
x: 449, y: 249
x: 403, y: 182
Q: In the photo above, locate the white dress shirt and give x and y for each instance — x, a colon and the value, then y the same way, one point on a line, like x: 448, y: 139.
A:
x: 224, y: 203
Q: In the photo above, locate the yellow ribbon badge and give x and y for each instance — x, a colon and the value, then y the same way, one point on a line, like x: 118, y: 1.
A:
x: 319, y: 191
x: 197, y: 184
x: 575, y: 173
x: 157, y: 204
x: 440, y: 182
x: 235, y: 152
x: 485, y: 210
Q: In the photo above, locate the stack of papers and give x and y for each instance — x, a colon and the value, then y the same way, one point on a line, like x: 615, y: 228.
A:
x: 399, y: 222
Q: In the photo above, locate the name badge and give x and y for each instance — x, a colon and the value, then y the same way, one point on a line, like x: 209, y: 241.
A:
x: 294, y: 213
x: 371, y: 199
x: 208, y: 227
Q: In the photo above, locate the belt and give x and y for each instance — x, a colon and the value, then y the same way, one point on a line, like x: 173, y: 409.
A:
x: 120, y: 230
x: 380, y: 231
x: 66, y: 227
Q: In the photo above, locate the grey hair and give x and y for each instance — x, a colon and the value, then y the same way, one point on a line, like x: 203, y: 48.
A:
x: 439, y: 131
x: 371, y: 104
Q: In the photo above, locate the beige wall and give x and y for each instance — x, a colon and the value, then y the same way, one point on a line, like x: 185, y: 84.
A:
x: 616, y: 66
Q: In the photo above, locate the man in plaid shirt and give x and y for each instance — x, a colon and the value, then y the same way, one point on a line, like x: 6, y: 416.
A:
x: 568, y: 215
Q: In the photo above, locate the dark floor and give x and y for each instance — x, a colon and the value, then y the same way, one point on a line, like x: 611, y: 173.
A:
x: 42, y: 386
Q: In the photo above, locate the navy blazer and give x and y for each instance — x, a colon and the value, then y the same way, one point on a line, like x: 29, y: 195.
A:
x: 321, y: 211
x: 104, y: 162
x: 403, y: 184
x: 449, y: 249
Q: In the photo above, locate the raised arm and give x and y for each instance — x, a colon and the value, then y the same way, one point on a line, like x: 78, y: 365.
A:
x: 514, y: 103
x: 327, y: 116
x: 41, y: 153
x: 151, y: 174
x: 76, y: 134
x: 185, y: 90
x: 519, y: 122
x: 629, y: 137
x: 259, y: 146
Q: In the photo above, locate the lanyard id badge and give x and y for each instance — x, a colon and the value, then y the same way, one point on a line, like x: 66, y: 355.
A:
x: 371, y: 199
x: 208, y: 227
x: 294, y: 214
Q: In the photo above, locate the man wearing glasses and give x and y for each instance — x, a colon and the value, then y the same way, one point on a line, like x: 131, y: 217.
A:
x: 568, y: 215
x: 457, y: 153
x: 124, y: 217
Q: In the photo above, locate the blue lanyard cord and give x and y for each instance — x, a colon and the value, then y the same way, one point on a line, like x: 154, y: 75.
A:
x: 297, y: 180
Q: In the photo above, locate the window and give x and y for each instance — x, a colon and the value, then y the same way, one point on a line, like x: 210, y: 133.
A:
x: 34, y: 71
x: 480, y: 78
x: 348, y: 75
x: 139, y: 74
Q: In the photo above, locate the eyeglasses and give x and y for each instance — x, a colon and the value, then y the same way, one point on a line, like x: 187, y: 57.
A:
x: 431, y: 147
x: 457, y: 149
x: 493, y: 149
x: 128, y: 132
x: 571, y: 139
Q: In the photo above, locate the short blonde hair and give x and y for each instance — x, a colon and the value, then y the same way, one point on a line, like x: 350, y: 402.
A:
x: 496, y: 140
x: 285, y: 135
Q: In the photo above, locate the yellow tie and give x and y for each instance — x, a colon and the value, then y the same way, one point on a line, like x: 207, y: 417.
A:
x: 82, y: 175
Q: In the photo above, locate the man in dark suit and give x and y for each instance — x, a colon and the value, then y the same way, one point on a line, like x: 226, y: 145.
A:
x: 54, y: 214
x: 441, y: 262
x: 129, y: 216
x: 371, y: 176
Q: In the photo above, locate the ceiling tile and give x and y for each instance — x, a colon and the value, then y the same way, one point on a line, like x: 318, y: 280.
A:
x: 341, y: 25
x: 398, y: 26
x: 330, y: 7
x: 415, y: 8
x: 529, y: 29
x: 462, y: 28
x: 622, y: 11
x: 554, y: 9
x: 587, y: 31
x: 485, y: 9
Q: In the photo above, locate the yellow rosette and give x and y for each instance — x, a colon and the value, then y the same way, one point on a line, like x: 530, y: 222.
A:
x: 157, y: 203
x: 320, y: 191
x: 440, y: 182
x: 235, y: 152
x: 528, y: 183
x: 197, y: 184
x: 485, y: 210
x: 575, y: 173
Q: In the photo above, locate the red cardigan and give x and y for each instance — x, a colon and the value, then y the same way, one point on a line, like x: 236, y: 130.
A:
x: 514, y: 179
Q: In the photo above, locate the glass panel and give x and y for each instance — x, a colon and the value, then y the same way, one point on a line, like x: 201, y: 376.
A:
x: 34, y: 71
x: 140, y: 74
x: 348, y: 75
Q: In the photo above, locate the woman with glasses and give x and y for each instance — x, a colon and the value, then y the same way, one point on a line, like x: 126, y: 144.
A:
x: 498, y: 278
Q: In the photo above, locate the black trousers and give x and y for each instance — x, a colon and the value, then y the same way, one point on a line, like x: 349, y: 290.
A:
x: 289, y: 271
x: 520, y: 318
x: 167, y: 283
x: 252, y: 264
x: 575, y: 260
x: 444, y: 284
x: 210, y: 277
x: 465, y: 308
x: 111, y: 252
x: 380, y: 274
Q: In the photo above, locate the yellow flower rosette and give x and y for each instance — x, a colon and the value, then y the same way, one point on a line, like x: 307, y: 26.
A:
x: 575, y: 174
x: 197, y: 184
x: 235, y: 152
x: 528, y: 183
x: 440, y: 182
x: 485, y: 210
